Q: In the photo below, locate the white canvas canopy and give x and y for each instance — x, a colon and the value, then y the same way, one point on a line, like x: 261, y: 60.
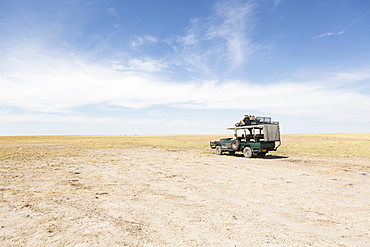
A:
x: 271, y: 132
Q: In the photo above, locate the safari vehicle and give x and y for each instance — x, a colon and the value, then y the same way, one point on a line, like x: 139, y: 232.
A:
x: 256, y: 140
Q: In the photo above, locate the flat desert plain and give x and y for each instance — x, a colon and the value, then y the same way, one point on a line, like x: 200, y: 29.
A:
x: 175, y: 191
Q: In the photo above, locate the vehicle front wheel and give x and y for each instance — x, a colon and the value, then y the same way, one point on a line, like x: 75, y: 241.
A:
x: 218, y: 150
x: 247, y: 151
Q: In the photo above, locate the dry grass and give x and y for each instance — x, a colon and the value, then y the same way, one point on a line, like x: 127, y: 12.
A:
x: 326, y: 145
x: 320, y: 145
x: 34, y: 147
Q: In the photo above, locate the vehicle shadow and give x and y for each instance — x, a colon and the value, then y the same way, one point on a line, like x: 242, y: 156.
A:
x: 275, y: 157
x: 267, y: 157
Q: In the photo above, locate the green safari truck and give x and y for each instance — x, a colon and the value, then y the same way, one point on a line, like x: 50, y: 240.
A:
x: 254, y: 140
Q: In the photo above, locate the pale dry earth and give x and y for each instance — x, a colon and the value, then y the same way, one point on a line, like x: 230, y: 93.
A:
x: 157, y: 197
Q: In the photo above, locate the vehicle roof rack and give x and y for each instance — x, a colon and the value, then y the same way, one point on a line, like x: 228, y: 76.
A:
x: 259, y: 126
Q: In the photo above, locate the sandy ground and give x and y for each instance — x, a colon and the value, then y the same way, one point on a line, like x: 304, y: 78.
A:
x: 155, y: 197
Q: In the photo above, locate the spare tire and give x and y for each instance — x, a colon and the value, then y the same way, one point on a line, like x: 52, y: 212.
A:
x: 235, y: 144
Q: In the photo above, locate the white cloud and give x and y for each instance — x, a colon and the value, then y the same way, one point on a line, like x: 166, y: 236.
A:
x: 147, y: 65
x: 59, y: 85
x: 51, y: 85
x: 7, y: 116
x: 156, y: 113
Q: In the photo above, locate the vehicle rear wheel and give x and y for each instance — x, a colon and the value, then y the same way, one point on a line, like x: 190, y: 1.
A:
x: 218, y: 150
x: 247, y: 151
x: 235, y: 144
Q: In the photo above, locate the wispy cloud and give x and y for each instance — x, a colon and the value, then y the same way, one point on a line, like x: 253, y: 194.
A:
x: 113, y: 12
x: 329, y: 34
x: 143, y: 40
x: 277, y: 2
x: 340, y: 32
x: 236, y: 26
x: 223, y: 38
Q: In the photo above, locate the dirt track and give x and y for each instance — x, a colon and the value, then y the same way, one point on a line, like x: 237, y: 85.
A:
x: 155, y: 197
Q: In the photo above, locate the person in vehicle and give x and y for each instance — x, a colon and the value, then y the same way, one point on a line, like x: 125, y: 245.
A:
x: 244, y: 121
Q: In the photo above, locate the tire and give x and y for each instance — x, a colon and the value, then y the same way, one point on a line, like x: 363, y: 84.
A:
x: 219, y: 150
x: 232, y: 152
x: 261, y: 155
x: 235, y: 144
x: 247, y: 152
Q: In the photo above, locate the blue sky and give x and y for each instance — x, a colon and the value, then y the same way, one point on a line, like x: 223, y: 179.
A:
x: 183, y: 67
